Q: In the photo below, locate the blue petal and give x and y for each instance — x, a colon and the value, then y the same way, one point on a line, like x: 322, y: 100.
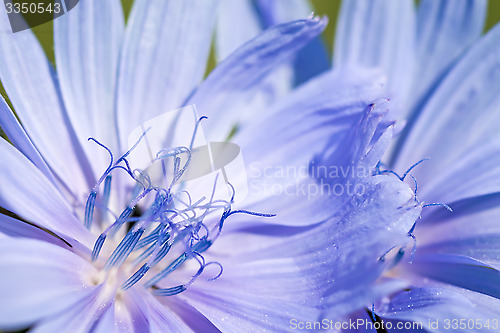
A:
x: 475, y: 206
x: 339, y: 259
x: 87, y: 43
x: 27, y: 77
x: 319, y: 113
x: 313, y: 58
x: 131, y: 313
x: 481, y: 247
x: 162, y: 316
x: 164, y: 56
x: 466, y: 101
x: 106, y: 323
x: 80, y: 317
x: 444, y: 30
x: 20, y: 139
x: 475, y: 174
x: 245, y: 69
x: 38, y: 279
x: 15, y: 228
x: 237, y: 23
x: 28, y: 193
x: 430, y: 305
x: 458, y: 270
x: 379, y: 34
x: 240, y: 311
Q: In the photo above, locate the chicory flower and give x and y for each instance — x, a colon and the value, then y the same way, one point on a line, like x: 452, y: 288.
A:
x: 69, y: 263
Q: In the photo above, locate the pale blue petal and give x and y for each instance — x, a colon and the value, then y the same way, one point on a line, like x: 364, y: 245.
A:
x: 464, y: 208
x: 313, y: 58
x: 474, y: 174
x: 19, y: 138
x: 466, y: 101
x: 162, y: 317
x: 131, y: 313
x: 277, y: 12
x: 240, y: 311
x: 80, y: 317
x: 458, y: 270
x: 319, y: 114
x: 481, y: 247
x: 164, y: 56
x: 38, y: 279
x: 237, y: 23
x: 27, y: 192
x: 87, y: 42
x: 300, y: 126
x: 428, y: 305
x: 438, y: 226
x: 357, y: 149
x: 26, y: 75
x: 240, y: 75
x: 444, y: 30
x: 15, y: 228
x: 359, y: 315
x: 106, y: 324
x: 332, y: 264
x: 379, y: 34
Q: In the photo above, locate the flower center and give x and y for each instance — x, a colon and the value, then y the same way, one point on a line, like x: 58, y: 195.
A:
x: 172, y: 229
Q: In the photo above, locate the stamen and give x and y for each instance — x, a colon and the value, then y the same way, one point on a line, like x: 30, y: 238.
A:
x: 136, y: 277
x: 124, y: 249
x: 196, y: 130
x: 170, y: 268
x: 220, y: 271
x: 438, y: 204
x: 89, y: 209
x: 412, y: 167
x: 172, y: 224
x: 106, y: 192
x: 97, y: 246
x: 153, y: 236
x: 169, y: 291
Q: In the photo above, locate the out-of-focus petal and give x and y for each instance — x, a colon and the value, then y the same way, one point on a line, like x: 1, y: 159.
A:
x: 238, y: 77
x: 163, y: 58
x: 237, y: 23
x: 481, y: 247
x: 27, y: 77
x: 39, y: 279
x: 313, y: 58
x: 27, y: 192
x: 458, y: 270
x: 20, y: 139
x: 379, y: 34
x: 466, y: 101
x: 444, y: 30
x: 429, y: 306
x: 87, y: 42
